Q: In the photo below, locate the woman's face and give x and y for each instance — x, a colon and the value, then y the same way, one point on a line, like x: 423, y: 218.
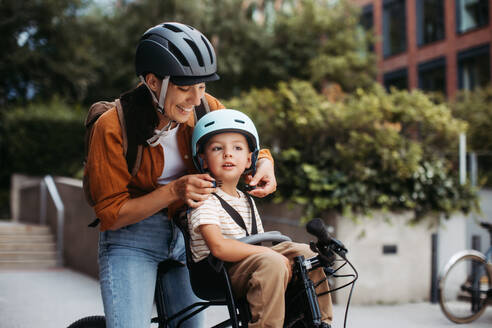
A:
x: 181, y: 100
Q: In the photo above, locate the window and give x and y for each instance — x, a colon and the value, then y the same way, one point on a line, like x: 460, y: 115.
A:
x: 471, y: 14
x: 432, y: 75
x: 394, y: 35
x: 366, y: 18
x: 397, y: 79
x: 430, y: 21
x: 366, y: 25
x: 474, y: 67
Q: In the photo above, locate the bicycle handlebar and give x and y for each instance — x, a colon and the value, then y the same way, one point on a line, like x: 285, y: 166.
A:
x: 317, y: 228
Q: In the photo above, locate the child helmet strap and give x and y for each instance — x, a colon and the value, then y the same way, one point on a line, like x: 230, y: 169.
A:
x: 237, y: 217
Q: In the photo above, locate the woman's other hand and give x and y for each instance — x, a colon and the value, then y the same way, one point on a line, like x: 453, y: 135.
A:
x: 264, y: 178
x: 194, y: 189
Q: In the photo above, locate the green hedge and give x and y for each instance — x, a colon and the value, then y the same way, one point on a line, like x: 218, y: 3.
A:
x: 41, y: 139
x: 369, y: 150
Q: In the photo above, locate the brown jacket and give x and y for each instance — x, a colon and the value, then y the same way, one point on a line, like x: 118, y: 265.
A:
x: 111, y: 185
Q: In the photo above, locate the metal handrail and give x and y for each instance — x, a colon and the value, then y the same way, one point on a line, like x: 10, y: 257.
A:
x: 47, y: 183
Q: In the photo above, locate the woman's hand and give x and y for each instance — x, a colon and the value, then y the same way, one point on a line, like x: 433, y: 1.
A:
x: 264, y: 179
x: 194, y: 189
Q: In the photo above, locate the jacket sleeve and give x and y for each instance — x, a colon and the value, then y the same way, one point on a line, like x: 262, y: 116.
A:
x: 107, y: 169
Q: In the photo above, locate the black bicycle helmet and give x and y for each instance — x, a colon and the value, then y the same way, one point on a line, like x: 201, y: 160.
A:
x: 178, y: 51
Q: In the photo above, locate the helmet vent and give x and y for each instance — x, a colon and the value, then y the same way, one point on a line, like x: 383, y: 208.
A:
x: 198, y: 55
x: 209, y: 123
x: 178, y: 54
x: 173, y: 28
x: 209, y: 50
x: 239, y: 121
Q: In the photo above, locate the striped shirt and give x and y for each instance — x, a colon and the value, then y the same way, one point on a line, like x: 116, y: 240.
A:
x: 212, y: 212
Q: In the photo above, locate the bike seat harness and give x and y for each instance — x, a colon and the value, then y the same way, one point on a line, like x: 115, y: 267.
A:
x: 237, y: 217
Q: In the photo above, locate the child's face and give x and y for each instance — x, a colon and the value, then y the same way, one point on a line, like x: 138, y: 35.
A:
x: 226, y: 156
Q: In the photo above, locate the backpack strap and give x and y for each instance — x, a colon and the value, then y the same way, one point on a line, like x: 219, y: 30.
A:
x: 138, y: 160
x: 237, y: 217
x: 201, y: 109
x: 121, y: 119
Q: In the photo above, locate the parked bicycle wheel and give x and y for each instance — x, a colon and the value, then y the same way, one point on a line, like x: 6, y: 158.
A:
x: 90, y: 322
x: 464, y: 286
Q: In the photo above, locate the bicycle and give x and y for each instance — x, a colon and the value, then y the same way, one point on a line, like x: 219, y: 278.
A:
x: 465, y: 286
x: 302, y: 310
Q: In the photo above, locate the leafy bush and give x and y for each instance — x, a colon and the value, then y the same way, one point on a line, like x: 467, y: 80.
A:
x: 369, y: 150
x: 42, y: 139
x: 475, y: 107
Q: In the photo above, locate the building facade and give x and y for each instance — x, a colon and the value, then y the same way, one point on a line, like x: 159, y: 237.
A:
x: 433, y: 45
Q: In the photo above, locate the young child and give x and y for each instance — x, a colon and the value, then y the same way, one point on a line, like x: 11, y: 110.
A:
x: 225, y: 144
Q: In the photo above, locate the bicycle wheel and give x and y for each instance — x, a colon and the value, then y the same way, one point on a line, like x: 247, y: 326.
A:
x: 97, y: 321
x: 464, y: 286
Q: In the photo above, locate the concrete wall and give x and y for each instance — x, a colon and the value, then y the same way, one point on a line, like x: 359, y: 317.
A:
x: 402, y: 276
x: 80, y: 241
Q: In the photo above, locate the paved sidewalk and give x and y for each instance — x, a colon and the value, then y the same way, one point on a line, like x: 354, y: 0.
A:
x: 55, y: 298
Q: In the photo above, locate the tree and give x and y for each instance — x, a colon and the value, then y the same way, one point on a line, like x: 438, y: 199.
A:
x: 72, y: 49
x: 45, y: 50
x: 315, y: 40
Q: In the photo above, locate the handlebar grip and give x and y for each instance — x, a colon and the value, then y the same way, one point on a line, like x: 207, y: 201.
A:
x: 317, y: 228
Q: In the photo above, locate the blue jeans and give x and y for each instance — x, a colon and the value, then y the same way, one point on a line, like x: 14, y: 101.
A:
x: 128, y: 262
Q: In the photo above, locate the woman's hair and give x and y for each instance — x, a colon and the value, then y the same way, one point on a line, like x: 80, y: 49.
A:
x: 140, y: 115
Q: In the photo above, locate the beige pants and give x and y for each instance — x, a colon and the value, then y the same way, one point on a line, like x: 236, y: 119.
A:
x: 263, y: 278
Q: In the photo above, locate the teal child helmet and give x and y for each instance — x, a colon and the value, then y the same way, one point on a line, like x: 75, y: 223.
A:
x: 220, y: 121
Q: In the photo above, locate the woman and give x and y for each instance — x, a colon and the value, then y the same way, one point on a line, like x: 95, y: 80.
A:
x: 173, y: 62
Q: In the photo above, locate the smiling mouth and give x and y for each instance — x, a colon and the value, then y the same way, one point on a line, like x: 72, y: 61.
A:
x: 228, y: 165
x: 186, y: 110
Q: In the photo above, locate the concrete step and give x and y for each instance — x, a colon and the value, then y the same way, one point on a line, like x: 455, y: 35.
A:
x: 27, y: 264
x: 9, y: 228
x: 26, y: 239
x: 26, y: 246
x: 27, y: 255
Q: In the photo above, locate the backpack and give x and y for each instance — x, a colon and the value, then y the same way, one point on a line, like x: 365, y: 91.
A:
x: 133, y: 155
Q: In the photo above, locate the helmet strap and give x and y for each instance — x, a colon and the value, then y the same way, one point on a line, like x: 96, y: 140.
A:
x: 154, y: 140
x: 162, y: 95
x: 254, y: 159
